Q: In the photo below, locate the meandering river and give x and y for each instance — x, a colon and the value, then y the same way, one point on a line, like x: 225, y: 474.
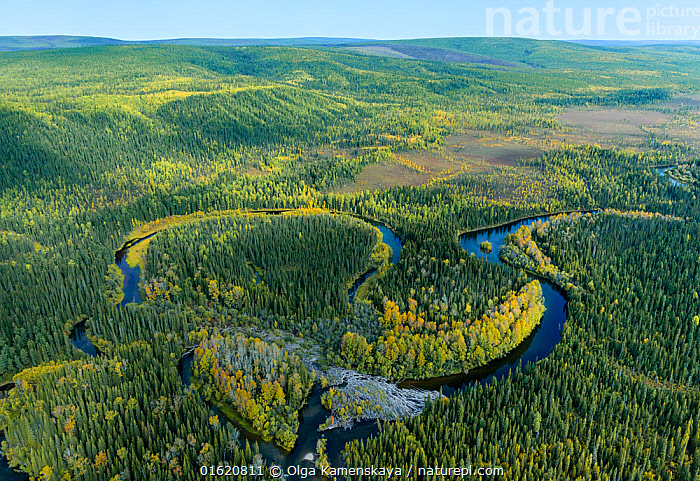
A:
x: 674, y: 182
x: 388, y: 238
x: 536, y: 347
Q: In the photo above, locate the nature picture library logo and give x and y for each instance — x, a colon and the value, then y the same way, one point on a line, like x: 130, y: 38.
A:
x: 594, y: 20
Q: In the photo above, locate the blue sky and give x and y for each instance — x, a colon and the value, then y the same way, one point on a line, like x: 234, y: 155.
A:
x: 387, y: 19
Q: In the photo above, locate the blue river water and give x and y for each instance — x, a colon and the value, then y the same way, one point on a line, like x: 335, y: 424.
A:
x: 388, y: 238
x: 79, y: 339
x: 131, y: 283
x: 662, y: 172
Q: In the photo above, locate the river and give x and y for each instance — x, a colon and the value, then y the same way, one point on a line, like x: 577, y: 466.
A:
x: 80, y: 341
x: 388, y: 238
x: 674, y: 182
x: 536, y: 347
x: 6, y: 472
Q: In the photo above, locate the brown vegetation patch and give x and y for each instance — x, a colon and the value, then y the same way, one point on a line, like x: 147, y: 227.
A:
x: 332, y: 151
x: 429, y: 162
x: 481, y: 149
x: 685, y: 131
x: 380, y: 177
x: 410, y: 168
x: 683, y: 101
x: 254, y: 172
x: 434, y: 54
x: 378, y: 50
x: 614, y: 124
x: 692, y: 101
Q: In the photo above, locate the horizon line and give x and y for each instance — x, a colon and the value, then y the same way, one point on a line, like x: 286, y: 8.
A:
x: 363, y: 39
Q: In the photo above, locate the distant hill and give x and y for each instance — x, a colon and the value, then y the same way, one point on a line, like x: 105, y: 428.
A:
x: 66, y: 41
x: 242, y: 42
x: 547, y: 54
x: 499, y: 52
x: 54, y: 41
x: 522, y: 52
x: 492, y: 51
x: 636, y: 43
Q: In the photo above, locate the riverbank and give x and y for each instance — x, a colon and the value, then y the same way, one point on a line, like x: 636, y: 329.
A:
x: 524, y: 219
x: 136, y: 244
